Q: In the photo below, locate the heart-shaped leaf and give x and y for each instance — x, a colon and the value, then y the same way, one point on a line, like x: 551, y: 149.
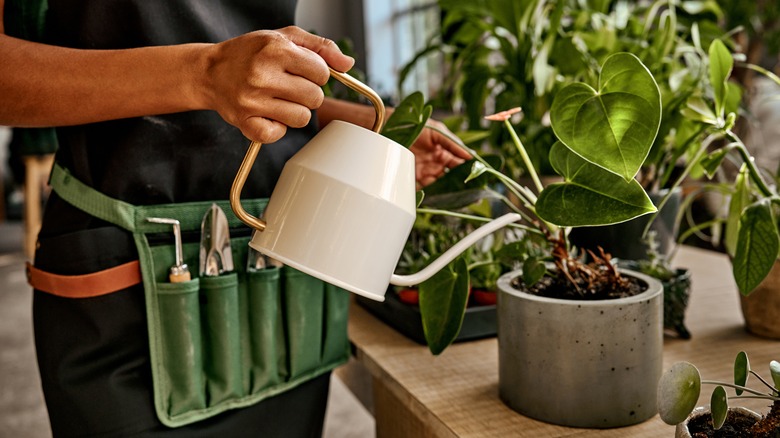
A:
x: 614, y: 126
x: 589, y: 195
x: 443, y: 299
x: 757, y: 246
x: 678, y: 392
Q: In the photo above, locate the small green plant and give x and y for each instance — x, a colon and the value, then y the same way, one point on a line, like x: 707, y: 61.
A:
x: 680, y: 387
x: 752, y: 237
x: 656, y: 264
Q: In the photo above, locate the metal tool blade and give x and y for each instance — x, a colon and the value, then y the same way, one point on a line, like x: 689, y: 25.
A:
x: 216, y: 256
x: 257, y: 261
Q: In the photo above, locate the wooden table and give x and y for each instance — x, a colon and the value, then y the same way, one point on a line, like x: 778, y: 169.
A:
x: 416, y: 394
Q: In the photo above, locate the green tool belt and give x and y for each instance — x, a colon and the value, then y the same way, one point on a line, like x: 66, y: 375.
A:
x: 218, y: 343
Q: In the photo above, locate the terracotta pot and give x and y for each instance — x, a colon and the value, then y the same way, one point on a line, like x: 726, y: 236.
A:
x: 761, y: 309
x: 682, y: 429
x: 580, y: 363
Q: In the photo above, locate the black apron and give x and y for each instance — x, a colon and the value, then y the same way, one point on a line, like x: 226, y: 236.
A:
x: 93, y: 353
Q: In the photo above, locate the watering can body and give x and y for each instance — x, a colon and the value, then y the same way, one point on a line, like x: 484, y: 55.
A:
x: 342, y: 209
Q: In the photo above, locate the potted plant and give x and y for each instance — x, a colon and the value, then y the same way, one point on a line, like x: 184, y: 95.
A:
x: 680, y: 387
x: 751, y: 235
x: 676, y: 283
x: 617, y: 119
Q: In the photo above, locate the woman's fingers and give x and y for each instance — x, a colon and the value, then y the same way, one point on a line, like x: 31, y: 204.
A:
x: 269, y: 78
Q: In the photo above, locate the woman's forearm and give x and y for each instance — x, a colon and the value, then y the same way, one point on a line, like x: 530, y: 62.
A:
x: 45, y: 85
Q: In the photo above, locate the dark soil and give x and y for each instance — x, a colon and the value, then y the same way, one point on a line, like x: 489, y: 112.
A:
x: 602, y: 284
x: 738, y: 426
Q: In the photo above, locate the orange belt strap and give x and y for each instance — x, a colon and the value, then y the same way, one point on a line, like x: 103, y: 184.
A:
x: 87, y: 285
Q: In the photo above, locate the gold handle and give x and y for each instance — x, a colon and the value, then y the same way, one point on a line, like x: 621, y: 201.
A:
x: 254, y: 149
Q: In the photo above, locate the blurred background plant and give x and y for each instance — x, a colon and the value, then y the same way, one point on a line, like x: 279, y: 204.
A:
x: 503, y: 53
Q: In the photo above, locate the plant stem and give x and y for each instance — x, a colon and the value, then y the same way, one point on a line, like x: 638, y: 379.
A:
x: 524, y: 156
x: 755, y: 175
x: 761, y: 70
x: 761, y: 379
x: 743, y: 388
x: 691, y: 163
x: 523, y: 193
x: 476, y: 218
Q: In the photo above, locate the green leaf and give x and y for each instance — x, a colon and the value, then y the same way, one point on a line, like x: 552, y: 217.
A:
x: 443, y: 299
x: 698, y: 110
x: 678, y: 392
x: 719, y: 406
x: 477, y: 169
x: 419, y: 197
x: 533, y: 271
x: 741, y: 371
x: 455, y: 180
x: 511, y: 252
x: 589, y: 195
x: 543, y: 73
x: 740, y: 199
x: 702, y: 6
x: 757, y: 246
x: 712, y: 162
x: 774, y: 370
x: 614, y: 126
x: 408, y: 120
x: 721, y: 63
x: 733, y: 97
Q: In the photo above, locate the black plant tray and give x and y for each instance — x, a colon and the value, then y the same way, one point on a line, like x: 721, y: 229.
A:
x: 479, y: 321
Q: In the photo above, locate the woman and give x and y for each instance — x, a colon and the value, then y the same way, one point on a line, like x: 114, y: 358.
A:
x: 154, y: 103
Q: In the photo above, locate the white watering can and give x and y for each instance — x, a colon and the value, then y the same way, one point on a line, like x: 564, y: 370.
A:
x: 344, y: 206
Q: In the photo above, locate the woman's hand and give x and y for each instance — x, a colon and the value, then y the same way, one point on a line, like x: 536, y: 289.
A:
x: 265, y: 81
x: 435, y: 153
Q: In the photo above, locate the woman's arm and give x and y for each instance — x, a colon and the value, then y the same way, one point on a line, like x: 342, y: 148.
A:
x: 260, y: 82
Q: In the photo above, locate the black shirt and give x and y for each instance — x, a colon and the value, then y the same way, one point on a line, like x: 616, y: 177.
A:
x: 169, y: 158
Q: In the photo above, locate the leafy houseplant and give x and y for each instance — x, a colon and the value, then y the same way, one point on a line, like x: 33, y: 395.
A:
x: 500, y: 52
x: 680, y: 387
x: 752, y: 238
x: 605, y: 135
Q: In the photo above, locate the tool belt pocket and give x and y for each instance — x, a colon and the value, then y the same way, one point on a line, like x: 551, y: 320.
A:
x: 220, y: 342
x: 232, y: 340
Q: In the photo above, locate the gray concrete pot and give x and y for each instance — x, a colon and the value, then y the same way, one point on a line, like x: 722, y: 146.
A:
x: 580, y: 363
x: 682, y: 431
